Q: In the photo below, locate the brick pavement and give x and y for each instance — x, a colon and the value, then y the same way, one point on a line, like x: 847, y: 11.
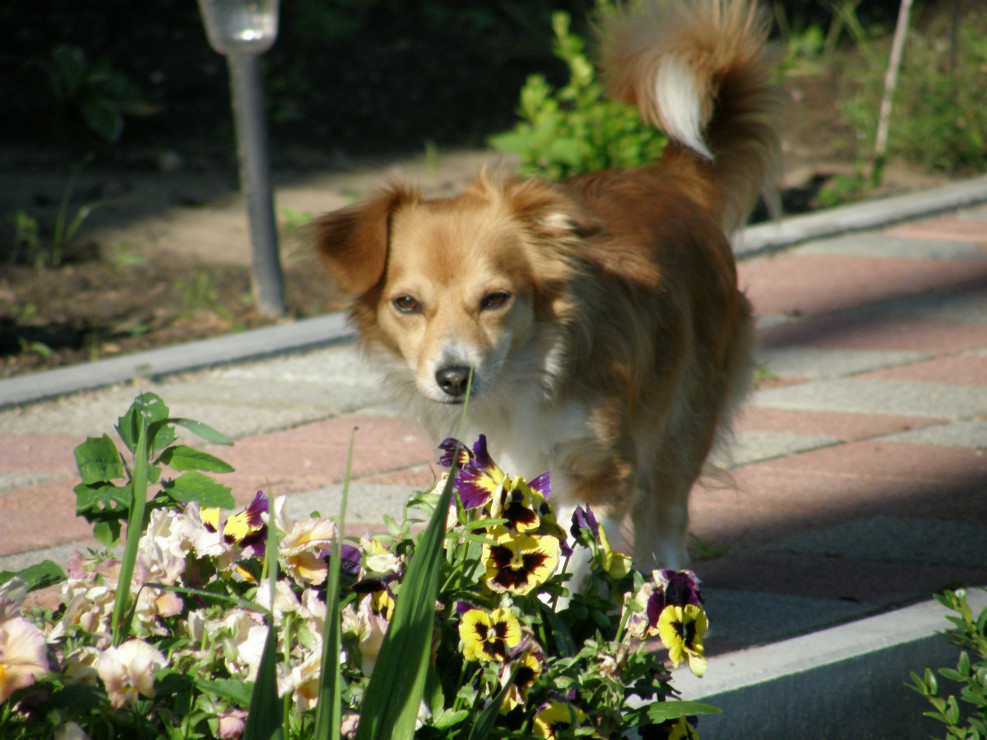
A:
x: 858, y: 479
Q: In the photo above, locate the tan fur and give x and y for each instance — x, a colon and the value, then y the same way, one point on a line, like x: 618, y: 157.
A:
x: 600, y: 316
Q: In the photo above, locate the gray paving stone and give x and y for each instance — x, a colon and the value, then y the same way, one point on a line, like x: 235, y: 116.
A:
x: 868, y: 396
x: 974, y: 214
x: 816, y: 364
x: 887, y: 539
x: 965, y: 433
x: 966, y: 306
x: 366, y: 503
x: 748, y: 447
x: 875, y: 244
x: 752, y: 618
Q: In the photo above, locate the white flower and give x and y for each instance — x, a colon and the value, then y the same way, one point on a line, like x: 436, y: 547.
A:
x: 302, y: 548
x: 181, y: 532
x: 88, y: 608
x: 23, y: 657
x: 79, y: 665
x: 369, y: 628
x: 128, y: 670
x: 71, y: 731
x: 243, y: 636
x: 285, y: 601
x: 303, y: 683
x: 378, y: 559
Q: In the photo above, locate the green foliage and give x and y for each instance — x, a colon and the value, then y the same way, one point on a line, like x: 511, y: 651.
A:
x: 102, y: 95
x: 46, y: 244
x: 966, y: 718
x: 574, y: 128
x: 938, y: 117
x: 106, y: 494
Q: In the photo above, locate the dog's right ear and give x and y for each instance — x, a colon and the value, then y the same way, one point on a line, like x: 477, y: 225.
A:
x: 353, y: 241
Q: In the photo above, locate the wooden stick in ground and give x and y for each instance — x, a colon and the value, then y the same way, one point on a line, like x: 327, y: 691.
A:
x: 890, y: 81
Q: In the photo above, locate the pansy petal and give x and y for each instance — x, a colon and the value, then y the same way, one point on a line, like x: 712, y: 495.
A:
x: 454, y: 453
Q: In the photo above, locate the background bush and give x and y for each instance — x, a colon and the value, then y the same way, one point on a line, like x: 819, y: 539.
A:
x: 573, y: 128
x: 939, y: 120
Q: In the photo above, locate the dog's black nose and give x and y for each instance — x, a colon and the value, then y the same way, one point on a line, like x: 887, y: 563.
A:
x: 453, y: 379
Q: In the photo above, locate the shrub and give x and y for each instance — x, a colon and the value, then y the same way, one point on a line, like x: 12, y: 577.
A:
x: 971, y: 674
x: 574, y: 128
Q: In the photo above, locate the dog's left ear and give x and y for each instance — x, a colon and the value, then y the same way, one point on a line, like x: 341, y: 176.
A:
x: 548, y: 212
x: 353, y: 241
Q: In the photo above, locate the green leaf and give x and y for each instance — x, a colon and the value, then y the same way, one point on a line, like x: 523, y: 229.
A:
x: 232, y: 690
x: 107, y: 533
x: 183, y: 457
x: 203, y: 431
x: 194, y: 486
x: 264, y: 716
x: 153, y: 410
x: 98, y: 460
x: 102, y: 500
x: 663, y: 711
x: 40, y: 575
x: 560, y: 633
x: 448, y: 718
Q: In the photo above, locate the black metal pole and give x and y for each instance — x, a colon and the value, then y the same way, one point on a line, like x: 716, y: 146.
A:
x: 255, y: 181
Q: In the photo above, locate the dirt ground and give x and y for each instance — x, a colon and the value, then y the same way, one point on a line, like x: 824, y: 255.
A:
x: 162, y: 255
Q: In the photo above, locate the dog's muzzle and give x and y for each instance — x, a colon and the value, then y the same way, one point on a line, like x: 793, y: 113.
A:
x: 453, y: 380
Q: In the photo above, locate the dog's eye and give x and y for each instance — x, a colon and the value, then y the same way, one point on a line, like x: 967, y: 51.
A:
x: 406, y: 304
x: 494, y: 300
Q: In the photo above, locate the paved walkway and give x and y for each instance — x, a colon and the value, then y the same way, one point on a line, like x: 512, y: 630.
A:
x: 859, y: 473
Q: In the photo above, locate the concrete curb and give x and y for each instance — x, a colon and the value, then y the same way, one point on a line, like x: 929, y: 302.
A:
x: 296, y: 336
x: 839, y: 682
x: 770, y: 237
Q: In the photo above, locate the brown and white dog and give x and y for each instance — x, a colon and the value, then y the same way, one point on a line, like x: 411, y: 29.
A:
x: 601, y: 315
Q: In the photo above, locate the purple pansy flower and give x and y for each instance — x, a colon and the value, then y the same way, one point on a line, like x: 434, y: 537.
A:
x: 479, y: 477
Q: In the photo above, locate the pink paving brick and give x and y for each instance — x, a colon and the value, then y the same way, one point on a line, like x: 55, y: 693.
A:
x: 38, y: 453
x: 319, y: 450
x: 951, y: 228
x: 40, y: 516
x: 846, y: 427
x: 846, y: 332
x: 416, y: 477
x: 777, y: 497
x: 893, y: 461
x: 814, y: 284
x: 954, y: 370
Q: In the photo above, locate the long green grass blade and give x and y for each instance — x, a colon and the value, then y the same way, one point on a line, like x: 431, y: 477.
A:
x: 329, y: 708
x: 135, y: 525
x: 265, y: 720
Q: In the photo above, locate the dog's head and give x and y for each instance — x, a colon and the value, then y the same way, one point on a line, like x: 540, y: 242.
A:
x: 455, y: 284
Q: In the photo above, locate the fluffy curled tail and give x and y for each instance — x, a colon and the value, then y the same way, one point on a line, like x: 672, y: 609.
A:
x: 701, y: 71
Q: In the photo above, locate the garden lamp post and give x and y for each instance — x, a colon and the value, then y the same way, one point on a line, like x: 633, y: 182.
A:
x: 241, y: 30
